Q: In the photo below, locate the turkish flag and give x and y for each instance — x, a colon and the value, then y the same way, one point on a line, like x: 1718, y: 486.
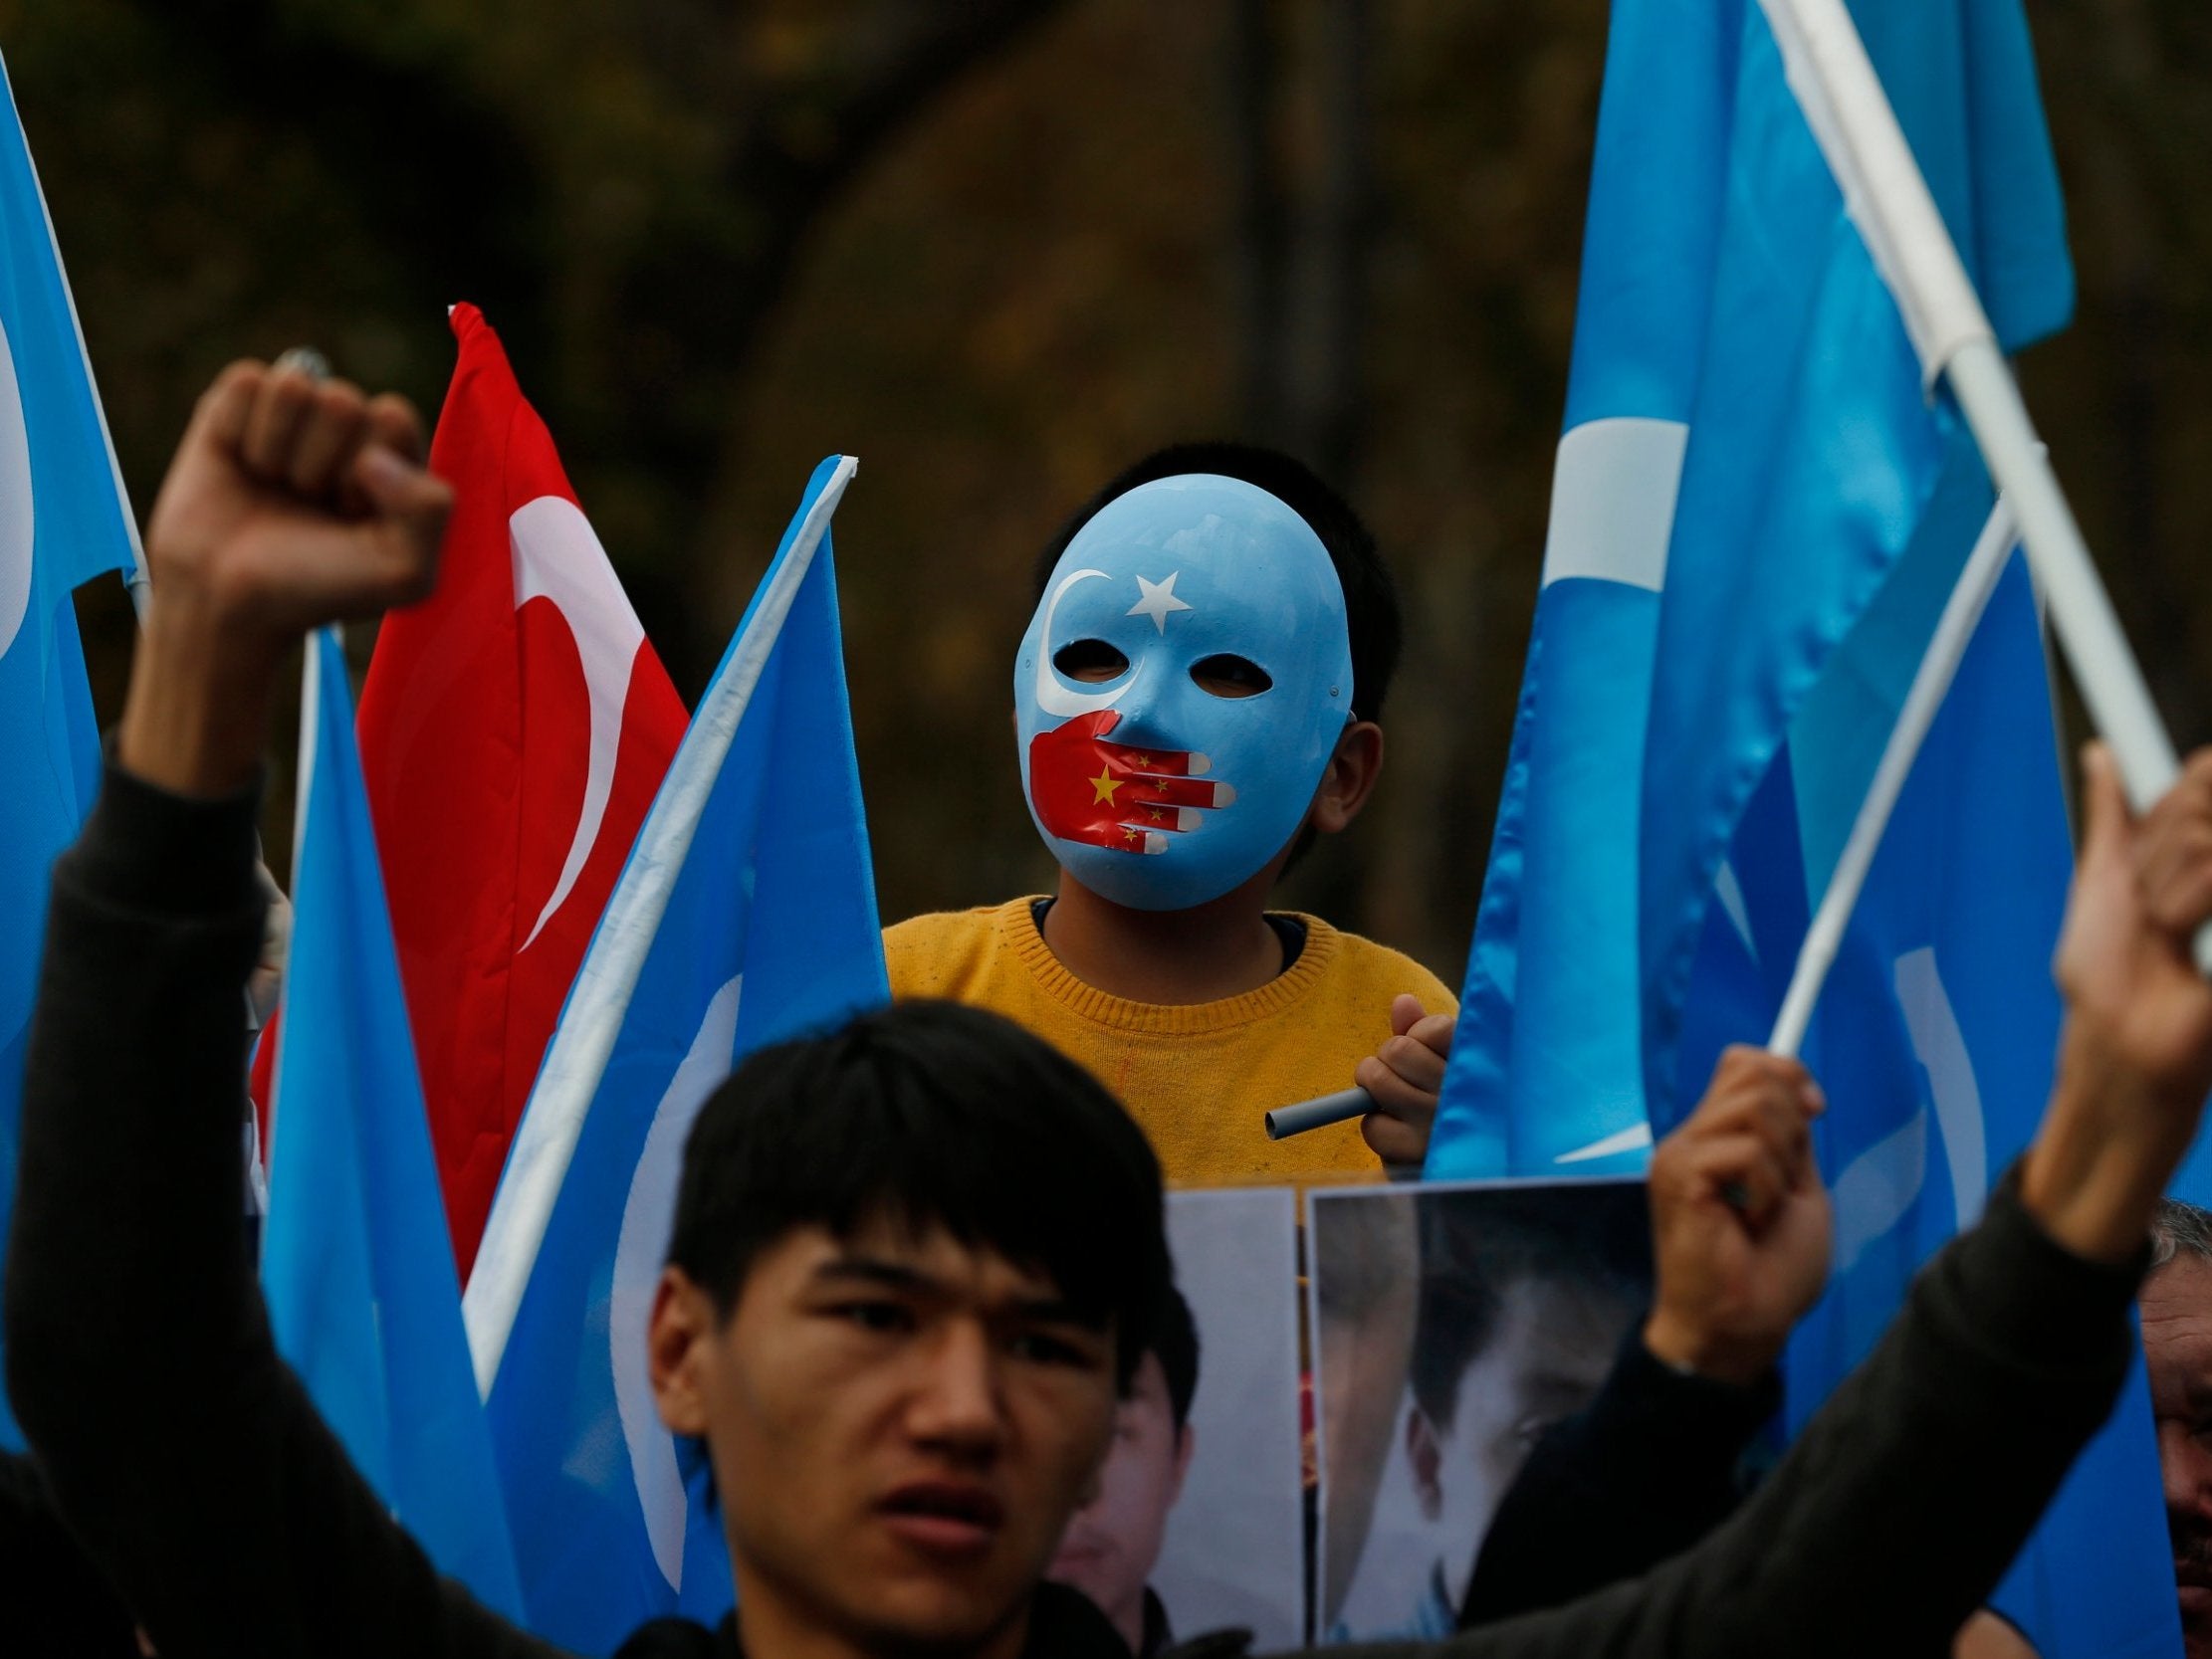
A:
x: 512, y: 730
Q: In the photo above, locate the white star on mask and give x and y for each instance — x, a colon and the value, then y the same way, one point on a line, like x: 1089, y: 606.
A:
x: 1158, y: 599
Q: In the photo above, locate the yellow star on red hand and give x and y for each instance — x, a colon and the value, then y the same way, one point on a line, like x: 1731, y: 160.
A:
x: 1103, y: 787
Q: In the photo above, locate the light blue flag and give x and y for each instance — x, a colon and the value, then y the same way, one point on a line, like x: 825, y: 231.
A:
x: 745, y: 916
x: 356, y: 1264
x: 1749, y: 448
x: 64, y: 518
x: 1752, y: 474
x: 1934, y: 1037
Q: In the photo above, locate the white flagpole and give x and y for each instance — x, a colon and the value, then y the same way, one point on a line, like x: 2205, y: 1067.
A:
x: 1888, y: 200
x: 1954, y: 630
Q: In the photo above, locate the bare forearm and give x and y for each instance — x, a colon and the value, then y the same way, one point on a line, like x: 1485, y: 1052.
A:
x: 2109, y: 1144
x: 197, y: 714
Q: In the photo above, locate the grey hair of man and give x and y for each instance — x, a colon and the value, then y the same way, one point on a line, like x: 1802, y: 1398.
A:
x: 2178, y: 1227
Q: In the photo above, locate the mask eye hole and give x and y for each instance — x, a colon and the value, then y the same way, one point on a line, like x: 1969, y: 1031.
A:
x: 1091, y: 661
x: 1225, y: 674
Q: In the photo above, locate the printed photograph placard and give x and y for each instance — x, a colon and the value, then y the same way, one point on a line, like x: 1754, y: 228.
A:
x: 1452, y: 1325
x: 1201, y: 1527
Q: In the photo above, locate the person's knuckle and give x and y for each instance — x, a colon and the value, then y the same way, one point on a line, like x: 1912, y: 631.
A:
x: 235, y: 374
x: 407, y: 577
x: 1411, y: 1058
x: 395, y: 415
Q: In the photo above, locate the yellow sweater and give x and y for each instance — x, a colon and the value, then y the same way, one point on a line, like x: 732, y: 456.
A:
x: 1197, y: 1078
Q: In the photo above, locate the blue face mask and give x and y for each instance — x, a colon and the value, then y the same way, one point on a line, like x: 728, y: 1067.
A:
x: 1181, y: 690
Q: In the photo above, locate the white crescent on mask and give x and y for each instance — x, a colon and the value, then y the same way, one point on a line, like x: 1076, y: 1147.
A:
x: 1052, y: 696
x: 16, y: 518
x: 559, y: 558
x: 641, y: 1247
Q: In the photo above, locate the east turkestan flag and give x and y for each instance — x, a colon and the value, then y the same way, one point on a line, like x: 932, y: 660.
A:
x: 63, y: 520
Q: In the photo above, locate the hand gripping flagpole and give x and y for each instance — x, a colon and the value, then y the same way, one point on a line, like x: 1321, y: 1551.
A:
x: 1954, y: 631
x: 1888, y: 200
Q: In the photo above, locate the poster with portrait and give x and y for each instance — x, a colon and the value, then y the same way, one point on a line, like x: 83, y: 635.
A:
x: 1452, y: 1324
x: 1197, y: 1524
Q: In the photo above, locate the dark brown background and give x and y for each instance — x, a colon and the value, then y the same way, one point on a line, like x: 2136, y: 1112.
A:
x: 997, y: 248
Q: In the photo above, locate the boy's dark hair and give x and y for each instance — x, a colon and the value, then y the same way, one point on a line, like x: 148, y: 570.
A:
x: 1476, y: 1246
x: 1370, y: 595
x: 1175, y: 1343
x: 931, y: 1114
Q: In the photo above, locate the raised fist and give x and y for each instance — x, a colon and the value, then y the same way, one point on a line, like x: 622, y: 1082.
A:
x: 291, y: 502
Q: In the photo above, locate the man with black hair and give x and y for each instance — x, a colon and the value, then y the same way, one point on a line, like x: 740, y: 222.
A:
x: 912, y: 1267
x: 901, y: 1397
x: 1113, y: 1542
x: 1197, y: 697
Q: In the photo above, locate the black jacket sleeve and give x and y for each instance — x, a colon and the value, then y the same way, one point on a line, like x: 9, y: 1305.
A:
x: 1640, y: 1475
x: 1898, y: 1509
x: 180, y: 1448
x: 54, y: 1604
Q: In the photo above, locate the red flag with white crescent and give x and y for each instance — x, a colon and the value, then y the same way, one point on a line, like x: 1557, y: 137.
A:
x: 513, y: 728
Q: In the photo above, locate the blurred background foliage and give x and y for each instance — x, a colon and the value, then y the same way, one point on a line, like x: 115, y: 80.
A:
x: 997, y: 249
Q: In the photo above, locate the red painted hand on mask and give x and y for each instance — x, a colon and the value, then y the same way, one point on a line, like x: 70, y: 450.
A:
x: 1112, y: 795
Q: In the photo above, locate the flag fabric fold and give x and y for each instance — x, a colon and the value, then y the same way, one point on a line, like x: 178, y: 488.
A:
x: 513, y: 728
x: 64, y: 518
x: 362, y: 1292
x: 745, y: 916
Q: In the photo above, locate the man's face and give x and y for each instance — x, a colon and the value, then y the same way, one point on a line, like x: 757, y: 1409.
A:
x: 1554, y: 1343
x: 1114, y: 1540
x: 900, y: 1428
x: 2177, y: 1349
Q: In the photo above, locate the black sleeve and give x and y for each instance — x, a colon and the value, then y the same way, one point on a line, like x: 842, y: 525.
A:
x: 54, y: 1604
x: 178, y: 1447
x: 1898, y: 1509
x: 1639, y: 1476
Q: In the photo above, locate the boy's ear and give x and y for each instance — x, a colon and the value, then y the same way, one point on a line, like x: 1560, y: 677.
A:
x: 1354, y: 770
x: 678, y: 1338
